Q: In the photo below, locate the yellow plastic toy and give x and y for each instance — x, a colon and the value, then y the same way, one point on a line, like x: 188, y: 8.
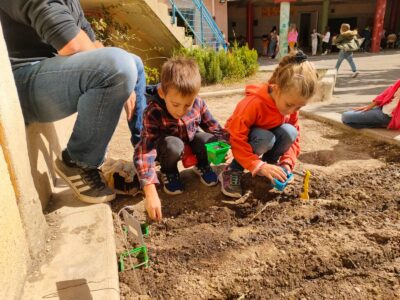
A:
x: 304, y: 195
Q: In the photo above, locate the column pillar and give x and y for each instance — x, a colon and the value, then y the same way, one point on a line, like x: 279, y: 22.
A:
x: 378, y: 25
x: 283, y: 28
x: 324, y: 16
x: 250, y: 21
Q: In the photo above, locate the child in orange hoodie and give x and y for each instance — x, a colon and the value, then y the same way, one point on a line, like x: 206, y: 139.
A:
x: 265, y: 123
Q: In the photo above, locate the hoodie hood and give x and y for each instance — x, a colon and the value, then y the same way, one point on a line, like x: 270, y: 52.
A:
x: 261, y: 91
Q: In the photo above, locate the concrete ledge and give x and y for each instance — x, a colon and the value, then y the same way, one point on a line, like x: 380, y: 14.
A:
x: 384, y: 135
x: 45, y: 142
x: 14, y: 147
x: 222, y: 93
x: 327, y: 85
x: 325, y: 88
x: 83, y: 262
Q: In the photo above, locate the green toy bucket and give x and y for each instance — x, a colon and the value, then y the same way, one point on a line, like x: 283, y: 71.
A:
x: 217, y: 151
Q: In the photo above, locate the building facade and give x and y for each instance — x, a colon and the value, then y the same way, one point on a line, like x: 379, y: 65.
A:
x: 262, y: 15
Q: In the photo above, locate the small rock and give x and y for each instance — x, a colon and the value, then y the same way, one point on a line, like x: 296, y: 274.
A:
x: 358, y: 290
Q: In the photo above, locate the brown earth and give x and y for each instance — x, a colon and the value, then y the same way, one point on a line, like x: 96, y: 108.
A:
x: 342, y: 244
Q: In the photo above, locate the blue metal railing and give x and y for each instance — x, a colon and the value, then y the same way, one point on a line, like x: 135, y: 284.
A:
x: 199, y: 22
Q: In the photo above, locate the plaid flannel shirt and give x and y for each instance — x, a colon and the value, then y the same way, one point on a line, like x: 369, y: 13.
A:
x: 157, y: 123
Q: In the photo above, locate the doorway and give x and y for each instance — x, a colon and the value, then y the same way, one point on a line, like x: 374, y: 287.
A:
x: 305, y: 31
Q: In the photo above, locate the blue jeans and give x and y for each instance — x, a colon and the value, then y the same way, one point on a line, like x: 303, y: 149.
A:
x: 343, y: 55
x: 271, y: 144
x: 373, y: 118
x: 136, y: 123
x: 94, y: 83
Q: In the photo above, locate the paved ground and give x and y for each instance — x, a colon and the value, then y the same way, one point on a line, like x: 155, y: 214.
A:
x: 377, y: 71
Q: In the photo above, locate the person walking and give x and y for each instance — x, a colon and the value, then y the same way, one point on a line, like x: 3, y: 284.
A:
x: 347, y: 42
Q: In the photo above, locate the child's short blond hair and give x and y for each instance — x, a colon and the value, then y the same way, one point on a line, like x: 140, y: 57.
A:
x: 181, y: 74
x: 296, y: 73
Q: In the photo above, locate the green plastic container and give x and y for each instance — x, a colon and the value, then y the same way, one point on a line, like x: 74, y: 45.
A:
x: 139, y: 253
x: 216, y: 152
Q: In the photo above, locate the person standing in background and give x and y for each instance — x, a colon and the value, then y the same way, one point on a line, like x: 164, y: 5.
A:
x: 366, y: 34
x: 292, y: 37
x: 273, y: 42
x: 314, y: 42
x: 325, y: 40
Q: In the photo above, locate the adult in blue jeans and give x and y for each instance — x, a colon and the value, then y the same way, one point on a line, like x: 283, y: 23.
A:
x: 59, y: 69
x: 382, y: 112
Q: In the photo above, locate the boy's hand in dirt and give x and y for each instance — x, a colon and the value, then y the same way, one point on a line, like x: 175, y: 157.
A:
x: 152, y: 202
x: 365, y: 107
x: 272, y: 171
x: 229, y: 156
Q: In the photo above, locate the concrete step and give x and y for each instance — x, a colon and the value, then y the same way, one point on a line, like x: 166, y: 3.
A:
x: 82, y: 260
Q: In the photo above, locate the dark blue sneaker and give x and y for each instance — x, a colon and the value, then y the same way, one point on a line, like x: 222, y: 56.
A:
x: 207, y: 175
x: 172, y: 183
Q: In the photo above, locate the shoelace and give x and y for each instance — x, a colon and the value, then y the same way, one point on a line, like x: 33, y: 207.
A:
x: 235, y: 178
x: 93, y: 177
x: 170, y: 177
x: 205, y: 170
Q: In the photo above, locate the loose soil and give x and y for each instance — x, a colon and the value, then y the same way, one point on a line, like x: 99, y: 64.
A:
x: 344, y: 243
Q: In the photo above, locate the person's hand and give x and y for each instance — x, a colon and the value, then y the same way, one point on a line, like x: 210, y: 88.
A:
x: 229, y: 156
x: 130, y: 106
x: 272, y: 172
x: 152, y: 203
x: 287, y: 167
x: 365, y: 107
x: 98, y: 44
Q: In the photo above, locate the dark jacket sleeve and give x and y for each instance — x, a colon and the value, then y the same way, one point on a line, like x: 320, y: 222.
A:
x: 51, y: 19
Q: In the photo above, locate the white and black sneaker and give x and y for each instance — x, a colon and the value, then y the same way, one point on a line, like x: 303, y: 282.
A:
x: 87, y: 183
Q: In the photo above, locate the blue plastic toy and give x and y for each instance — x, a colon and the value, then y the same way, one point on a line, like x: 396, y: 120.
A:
x: 279, y: 185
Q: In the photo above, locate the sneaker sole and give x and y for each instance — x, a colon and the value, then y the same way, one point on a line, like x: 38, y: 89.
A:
x: 171, y: 193
x: 195, y: 171
x: 232, y: 195
x: 83, y: 198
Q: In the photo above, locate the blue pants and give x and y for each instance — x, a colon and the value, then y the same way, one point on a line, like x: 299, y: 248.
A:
x: 343, y: 55
x: 373, y: 118
x: 136, y: 123
x: 271, y: 144
x: 95, y: 84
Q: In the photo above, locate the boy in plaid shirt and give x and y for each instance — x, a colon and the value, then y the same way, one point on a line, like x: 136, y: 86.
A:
x: 171, y: 124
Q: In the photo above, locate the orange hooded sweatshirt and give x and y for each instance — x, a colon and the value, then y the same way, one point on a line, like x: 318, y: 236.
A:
x: 258, y: 109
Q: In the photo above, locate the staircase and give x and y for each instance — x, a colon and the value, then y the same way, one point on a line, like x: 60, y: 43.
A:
x: 198, y: 22
x: 160, y: 26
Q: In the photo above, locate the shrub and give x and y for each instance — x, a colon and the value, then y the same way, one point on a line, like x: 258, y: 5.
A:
x: 152, y: 75
x: 217, y: 66
x: 114, y: 34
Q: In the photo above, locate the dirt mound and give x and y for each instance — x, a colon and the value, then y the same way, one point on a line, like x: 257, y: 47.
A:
x: 342, y: 244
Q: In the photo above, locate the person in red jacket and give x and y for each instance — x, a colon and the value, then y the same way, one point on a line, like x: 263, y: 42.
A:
x: 382, y: 112
x: 265, y: 123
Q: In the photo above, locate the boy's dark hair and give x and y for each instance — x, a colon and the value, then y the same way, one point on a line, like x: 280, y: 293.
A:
x: 181, y: 74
